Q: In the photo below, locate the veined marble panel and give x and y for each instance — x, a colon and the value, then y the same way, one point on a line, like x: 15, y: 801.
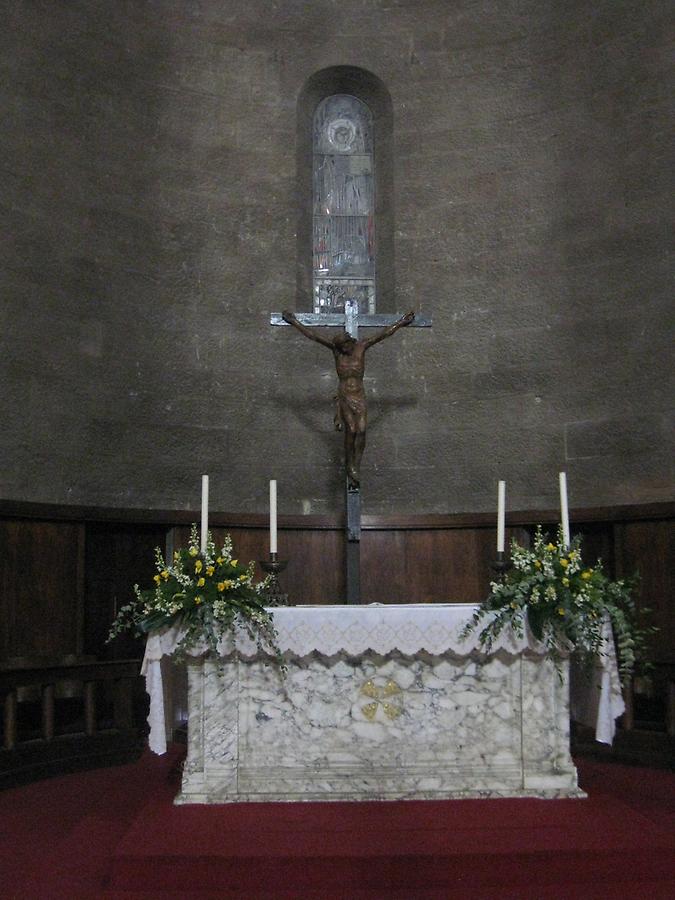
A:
x: 377, y: 727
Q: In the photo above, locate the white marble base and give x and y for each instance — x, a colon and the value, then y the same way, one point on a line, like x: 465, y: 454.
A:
x: 377, y: 728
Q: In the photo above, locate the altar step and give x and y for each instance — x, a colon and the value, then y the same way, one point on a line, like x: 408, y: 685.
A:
x: 113, y: 834
x: 435, y: 849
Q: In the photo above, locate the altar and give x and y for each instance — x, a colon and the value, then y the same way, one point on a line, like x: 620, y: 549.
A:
x: 379, y: 702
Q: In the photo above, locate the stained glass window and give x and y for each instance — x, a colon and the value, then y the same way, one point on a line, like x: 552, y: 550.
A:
x: 344, y: 205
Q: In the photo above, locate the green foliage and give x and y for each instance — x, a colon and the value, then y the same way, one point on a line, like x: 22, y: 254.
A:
x: 564, y: 603
x: 207, y: 595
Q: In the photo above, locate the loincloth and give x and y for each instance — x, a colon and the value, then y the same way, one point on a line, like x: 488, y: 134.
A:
x: 352, y: 411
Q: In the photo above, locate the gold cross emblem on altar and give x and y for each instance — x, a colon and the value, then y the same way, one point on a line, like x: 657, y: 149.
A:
x: 384, y: 696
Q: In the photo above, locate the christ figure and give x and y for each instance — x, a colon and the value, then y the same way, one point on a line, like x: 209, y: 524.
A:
x: 350, y: 416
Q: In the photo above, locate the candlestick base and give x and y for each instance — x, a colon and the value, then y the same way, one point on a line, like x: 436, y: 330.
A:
x: 273, y: 593
x: 501, y: 565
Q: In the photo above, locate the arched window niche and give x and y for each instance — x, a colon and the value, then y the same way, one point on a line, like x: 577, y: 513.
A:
x: 345, y: 244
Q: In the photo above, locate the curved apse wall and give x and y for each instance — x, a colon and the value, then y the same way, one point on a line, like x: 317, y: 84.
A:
x: 150, y: 210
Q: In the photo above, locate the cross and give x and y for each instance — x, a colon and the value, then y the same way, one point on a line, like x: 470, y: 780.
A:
x: 351, y: 321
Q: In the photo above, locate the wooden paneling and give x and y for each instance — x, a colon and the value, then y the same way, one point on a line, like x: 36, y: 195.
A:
x: 63, y: 579
x: 315, y: 571
x: 387, y: 583
x: 421, y: 566
x: 434, y: 565
x: 648, y: 549
x: 15, y: 509
x: 315, y: 558
x: 41, y: 589
x: 597, y: 543
x: 116, y: 558
x: 414, y: 559
x: 397, y: 566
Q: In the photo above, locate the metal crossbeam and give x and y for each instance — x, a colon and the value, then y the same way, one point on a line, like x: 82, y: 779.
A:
x: 338, y: 320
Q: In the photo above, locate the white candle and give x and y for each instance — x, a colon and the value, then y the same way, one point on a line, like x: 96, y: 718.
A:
x: 273, y: 516
x: 205, y: 514
x: 501, y: 515
x: 564, y: 510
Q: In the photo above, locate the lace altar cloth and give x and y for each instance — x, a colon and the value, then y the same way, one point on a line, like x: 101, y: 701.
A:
x: 406, y: 628
x: 431, y: 627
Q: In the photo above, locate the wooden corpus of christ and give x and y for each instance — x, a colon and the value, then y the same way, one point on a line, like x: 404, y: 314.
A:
x: 350, y: 321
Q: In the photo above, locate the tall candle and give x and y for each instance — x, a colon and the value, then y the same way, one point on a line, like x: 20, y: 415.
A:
x: 564, y: 510
x: 273, y: 516
x: 501, y: 515
x: 205, y: 514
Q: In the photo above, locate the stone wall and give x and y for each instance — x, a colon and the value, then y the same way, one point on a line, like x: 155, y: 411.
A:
x: 149, y: 217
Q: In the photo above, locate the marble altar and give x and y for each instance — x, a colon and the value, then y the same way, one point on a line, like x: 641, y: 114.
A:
x: 380, y: 702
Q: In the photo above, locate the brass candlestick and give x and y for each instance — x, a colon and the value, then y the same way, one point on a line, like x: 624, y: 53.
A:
x: 273, y: 594
x: 501, y: 565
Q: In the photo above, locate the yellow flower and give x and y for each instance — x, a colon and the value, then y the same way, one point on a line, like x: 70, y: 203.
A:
x: 156, y: 579
x: 198, y: 566
x: 193, y: 551
x: 573, y: 554
x: 243, y: 577
x: 165, y: 575
x: 566, y: 582
x: 221, y: 586
x: 234, y: 562
x: 200, y: 582
x: 564, y: 562
x: 587, y: 574
x: 561, y: 611
x: 537, y: 564
x: 210, y: 570
x: 550, y: 546
x: 198, y: 599
x: 220, y: 560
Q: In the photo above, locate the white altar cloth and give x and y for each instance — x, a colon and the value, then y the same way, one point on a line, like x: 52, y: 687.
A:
x: 407, y: 628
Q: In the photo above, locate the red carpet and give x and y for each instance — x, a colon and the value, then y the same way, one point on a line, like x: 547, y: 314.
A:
x: 114, y: 834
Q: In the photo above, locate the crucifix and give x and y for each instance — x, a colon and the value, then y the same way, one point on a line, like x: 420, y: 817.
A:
x: 350, y: 415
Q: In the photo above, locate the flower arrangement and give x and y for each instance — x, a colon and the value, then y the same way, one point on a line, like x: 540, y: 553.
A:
x: 207, y: 594
x: 565, y: 604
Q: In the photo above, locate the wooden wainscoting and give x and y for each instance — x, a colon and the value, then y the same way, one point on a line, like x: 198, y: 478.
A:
x: 65, y: 571
x: 42, y: 588
x: 67, y: 715
x: 435, y: 559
